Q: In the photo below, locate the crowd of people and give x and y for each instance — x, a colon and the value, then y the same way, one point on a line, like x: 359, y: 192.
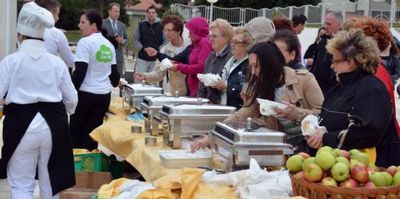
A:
x: 346, y: 78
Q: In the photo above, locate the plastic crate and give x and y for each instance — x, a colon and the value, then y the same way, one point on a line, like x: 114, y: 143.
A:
x: 91, y: 162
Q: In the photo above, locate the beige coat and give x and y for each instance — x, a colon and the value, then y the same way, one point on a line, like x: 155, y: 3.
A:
x: 301, y: 90
x: 176, y: 79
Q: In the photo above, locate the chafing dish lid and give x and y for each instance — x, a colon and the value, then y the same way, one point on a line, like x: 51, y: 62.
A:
x: 193, y: 109
x: 237, y: 132
x: 161, y: 100
x: 143, y: 89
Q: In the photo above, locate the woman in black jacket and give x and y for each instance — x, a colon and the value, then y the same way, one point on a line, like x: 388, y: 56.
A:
x: 357, y: 112
x: 233, y: 74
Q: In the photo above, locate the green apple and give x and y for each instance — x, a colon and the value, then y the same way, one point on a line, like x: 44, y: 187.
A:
x: 307, y: 162
x: 354, y: 162
x: 326, y: 148
x: 313, y: 172
x: 343, y: 160
x: 340, y: 171
x: 396, y: 178
x: 294, y: 163
x: 343, y: 153
x: 328, y: 181
x: 378, y: 179
x: 325, y: 160
x: 362, y: 157
x: 354, y: 151
x: 388, y: 178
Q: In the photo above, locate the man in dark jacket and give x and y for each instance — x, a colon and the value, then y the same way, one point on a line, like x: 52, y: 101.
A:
x: 148, y: 37
x: 321, y: 67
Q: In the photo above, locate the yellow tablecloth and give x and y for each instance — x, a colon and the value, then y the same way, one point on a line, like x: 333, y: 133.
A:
x: 115, y: 134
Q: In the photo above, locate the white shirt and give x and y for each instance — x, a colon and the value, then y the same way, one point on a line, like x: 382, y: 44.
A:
x: 99, y: 54
x: 57, y: 44
x: 33, y: 75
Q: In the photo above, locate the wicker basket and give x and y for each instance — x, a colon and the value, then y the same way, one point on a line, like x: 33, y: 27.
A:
x: 318, y: 191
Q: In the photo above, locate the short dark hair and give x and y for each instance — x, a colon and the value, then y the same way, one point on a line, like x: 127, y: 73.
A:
x: 289, y: 37
x: 93, y: 17
x: 151, y: 7
x: 50, y: 4
x: 176, y: 21
x: 113, y: 4
x: 299, y: 19
x: 282, y: 23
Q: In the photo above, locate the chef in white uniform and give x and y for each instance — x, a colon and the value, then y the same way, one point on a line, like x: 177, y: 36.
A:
x: 54, y: 39
x: 38, y: 93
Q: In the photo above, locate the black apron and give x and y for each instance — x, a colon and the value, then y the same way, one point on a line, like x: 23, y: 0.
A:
x: 16, y: 122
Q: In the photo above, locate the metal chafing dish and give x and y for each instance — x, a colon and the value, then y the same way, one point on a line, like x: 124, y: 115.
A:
x: 151, y: 106
x: 134, y: 93
x: 237, y: 142
x: 189, y: 120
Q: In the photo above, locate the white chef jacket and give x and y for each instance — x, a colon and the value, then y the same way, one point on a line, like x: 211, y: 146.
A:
x: 57, y: 44
x: 33, y: 75
x: 99, y: 54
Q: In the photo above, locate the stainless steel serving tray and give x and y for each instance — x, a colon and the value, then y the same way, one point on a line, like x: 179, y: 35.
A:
x: 189, y: 110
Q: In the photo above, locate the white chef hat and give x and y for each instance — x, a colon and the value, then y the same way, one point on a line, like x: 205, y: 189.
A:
x: 33, y: 20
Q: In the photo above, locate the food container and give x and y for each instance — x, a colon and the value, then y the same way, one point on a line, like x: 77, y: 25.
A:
x: 152, y: 105
x: 134, y: 93
x: 136, y: 129
x: 150, y: 141
x: 178, y: 159
x: 237, y: 142
x: 188, y: 120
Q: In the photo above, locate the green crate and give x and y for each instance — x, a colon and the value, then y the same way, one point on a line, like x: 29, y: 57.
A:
x: 91, y: 162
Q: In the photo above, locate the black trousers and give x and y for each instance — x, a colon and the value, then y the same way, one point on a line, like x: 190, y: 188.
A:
x: 88, y: 115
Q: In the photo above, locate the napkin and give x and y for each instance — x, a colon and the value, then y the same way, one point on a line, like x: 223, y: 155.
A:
x: 309, y: 125
x: 209, y: 79
x: 267, y: 107
x: 165, y: 64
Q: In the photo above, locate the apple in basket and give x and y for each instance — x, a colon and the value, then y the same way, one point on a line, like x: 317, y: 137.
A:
x: 328, y: 181
x: 340, y: 171
x: 391, y: 170
x: 388, y: 178
x: 369, y: 185
x: 349, y: 183
x: 378, y: 179
x: 325, y: 159
x: 359, y: 173
x: 396, y: 178
x: 342, y: 153
x: 313, y: 172
x: 294, y: 163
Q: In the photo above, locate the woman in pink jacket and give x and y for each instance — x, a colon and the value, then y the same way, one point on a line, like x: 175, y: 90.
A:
x: 191, y: 60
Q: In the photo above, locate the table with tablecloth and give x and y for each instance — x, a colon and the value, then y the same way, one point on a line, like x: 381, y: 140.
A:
x: 115, y: 136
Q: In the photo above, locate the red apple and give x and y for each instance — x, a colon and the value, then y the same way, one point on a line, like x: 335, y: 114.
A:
x: 349, y: 183
x: 369, y: 185
x: 359, y: 173
x: 328, y: 181
x: 304, y: 155
x: 370, y: 171
x: 313, y: 172
x: 391, y: 170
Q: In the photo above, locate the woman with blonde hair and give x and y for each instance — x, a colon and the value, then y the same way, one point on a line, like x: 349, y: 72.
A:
x: 357, y: 112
